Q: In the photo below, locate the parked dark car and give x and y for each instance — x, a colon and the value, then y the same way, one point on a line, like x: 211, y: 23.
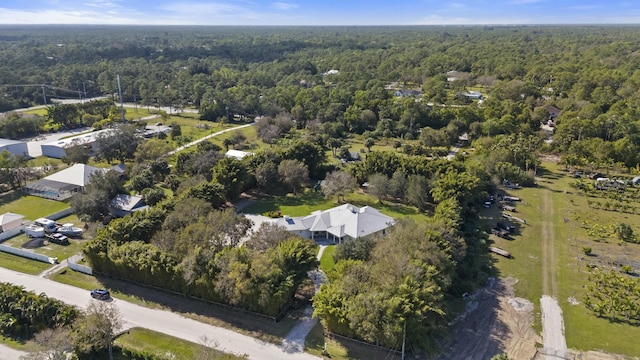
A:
x: 100, y: 294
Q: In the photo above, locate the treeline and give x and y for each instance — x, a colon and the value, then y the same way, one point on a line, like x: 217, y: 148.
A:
x: 188, y: 247
x: 381, y: 285
x: 24, y: 313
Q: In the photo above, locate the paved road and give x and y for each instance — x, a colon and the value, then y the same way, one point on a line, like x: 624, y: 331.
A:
x: 7, y: 353
x: 158, y: 320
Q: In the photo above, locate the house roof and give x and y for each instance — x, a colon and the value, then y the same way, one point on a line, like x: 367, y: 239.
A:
x: 6, y: 142
x: 78, y: 174
x: 348, y: 220
x: 9, y: 217
x: 237, y: 154
x: 552, y: 109
x: 127, y: 202
x: 78, y: 139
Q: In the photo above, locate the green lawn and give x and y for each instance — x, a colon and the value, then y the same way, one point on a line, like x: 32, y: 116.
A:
x: 326, y: 260
x: 24, y: 265
x: 583, y: 330
x: 32, y: 207
x: 41, y: 112
x: 159, y: 344
x: 305, y: 203
x: 45, y: 161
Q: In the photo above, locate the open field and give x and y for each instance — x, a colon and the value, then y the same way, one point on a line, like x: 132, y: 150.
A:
x: 305, y: 203
x: 17, y: 263
x: 583, y: 330
x: 32, y: 207
x: 143, y: 340
x: 234, y: 319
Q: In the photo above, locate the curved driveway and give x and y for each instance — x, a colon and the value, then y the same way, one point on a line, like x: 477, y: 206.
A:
x: 158, y: 320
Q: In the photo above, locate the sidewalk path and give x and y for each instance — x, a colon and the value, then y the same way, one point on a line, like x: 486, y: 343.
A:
x: 294, y: 341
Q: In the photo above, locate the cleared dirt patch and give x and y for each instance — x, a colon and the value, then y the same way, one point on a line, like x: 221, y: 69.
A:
x: 496, y: 322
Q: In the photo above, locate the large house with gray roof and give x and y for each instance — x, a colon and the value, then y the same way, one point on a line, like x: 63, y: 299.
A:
x: 339, y: 223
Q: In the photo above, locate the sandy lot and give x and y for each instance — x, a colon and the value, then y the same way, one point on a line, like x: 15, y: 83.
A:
x: 496, y: 322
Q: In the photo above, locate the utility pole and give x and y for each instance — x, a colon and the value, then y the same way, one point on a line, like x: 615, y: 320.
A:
x: 404, y: 336
x: 121, y: 99
x: 84, y: 89
x: 44, y: 95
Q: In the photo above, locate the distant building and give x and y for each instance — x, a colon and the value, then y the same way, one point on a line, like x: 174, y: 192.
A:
x: 553, y: 111
x: 237, y: 154
x: 123, y: 205
x: 57, y: 149
x: 473, y: 95
x: 14, y: 147
x: 339, y: 223
x: 63, y: 184
x: 331, y: 72
x: 10, y: 221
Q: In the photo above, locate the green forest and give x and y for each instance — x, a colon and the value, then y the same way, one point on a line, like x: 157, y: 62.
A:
x: 407, y: 94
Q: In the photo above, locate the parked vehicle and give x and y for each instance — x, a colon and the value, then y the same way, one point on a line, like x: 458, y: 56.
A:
x: 70, y: 230
x: 57, y: 238
x: 100, y: 294
x: 34, y: 231
x: 48, y: 224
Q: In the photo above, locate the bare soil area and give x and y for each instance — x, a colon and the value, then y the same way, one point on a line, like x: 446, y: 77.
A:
x: 496, y: 322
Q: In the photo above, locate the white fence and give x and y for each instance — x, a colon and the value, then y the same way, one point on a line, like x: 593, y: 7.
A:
x: 60, y: 214
x: 28, y: 254
x: 11, y: 233
x: 79, y: 268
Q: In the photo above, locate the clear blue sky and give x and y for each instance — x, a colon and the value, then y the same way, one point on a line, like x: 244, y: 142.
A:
x: 319, y: 12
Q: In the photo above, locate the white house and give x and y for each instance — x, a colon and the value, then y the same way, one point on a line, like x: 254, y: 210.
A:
x: 237, y: 154
x: 339, y: 223
x: 63, y: 184
x: 56, y: 149
x: 10, y: 221
x: 14, y: 147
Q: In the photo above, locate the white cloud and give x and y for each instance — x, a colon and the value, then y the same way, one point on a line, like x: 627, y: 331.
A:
x: 525, y: 1
x: 283, y: 6
x: 9, y: 16
x: 457, y: 20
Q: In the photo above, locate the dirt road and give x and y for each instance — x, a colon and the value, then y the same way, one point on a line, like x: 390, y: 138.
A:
x: 555, y: 344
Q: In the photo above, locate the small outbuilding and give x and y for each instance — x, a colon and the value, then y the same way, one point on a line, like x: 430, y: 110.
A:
x: 14, y: 147
x: 10, y: 221
x: 237, y: 154
x: 123, y: 205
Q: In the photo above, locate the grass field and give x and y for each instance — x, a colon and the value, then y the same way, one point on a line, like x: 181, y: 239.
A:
x: 24, y: 265
x: 584, y: 331
x: 305, y: 203
x: 143, y: 340
x: 32, y: 207
x: 326, y: 260
x: 41, y: 112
